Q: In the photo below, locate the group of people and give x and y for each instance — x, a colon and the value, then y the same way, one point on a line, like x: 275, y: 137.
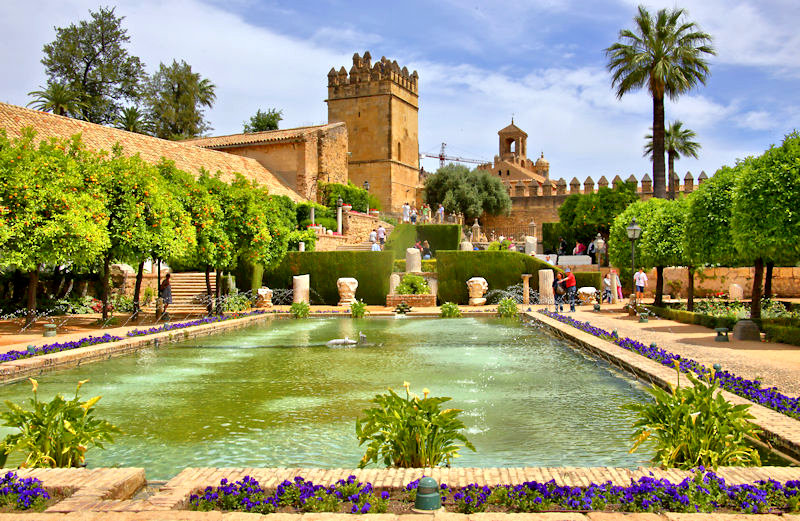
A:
x: 424, y: 215
x: 565, y: 286
x: 378, y: 238
x: 579, y: 249
x: 425, y: 250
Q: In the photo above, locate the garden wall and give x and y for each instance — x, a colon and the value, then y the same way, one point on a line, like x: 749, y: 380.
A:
x: 371, y: 269
x: 500, y: 269
x: 710, y: 281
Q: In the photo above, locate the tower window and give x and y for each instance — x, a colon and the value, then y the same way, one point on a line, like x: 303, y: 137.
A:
x: 508, y: 172
x: 398, y: 150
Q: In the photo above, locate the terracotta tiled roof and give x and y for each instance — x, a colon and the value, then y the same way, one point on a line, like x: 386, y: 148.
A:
x: 512, y: 129
x: 97, y: 137
x: 252, y: 138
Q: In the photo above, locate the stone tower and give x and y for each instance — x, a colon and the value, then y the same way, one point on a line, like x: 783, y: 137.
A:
x: 379, y: 103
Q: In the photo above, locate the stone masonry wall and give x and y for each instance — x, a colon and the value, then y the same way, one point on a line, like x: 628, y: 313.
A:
x: 356, y: 226
x: 332, y: 154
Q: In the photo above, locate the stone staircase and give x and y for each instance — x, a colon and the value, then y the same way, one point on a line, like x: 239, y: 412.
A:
x: 185, y: 288
x: 366, y: 245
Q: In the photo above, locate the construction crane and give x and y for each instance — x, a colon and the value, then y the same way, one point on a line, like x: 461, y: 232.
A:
x: 442, y: 157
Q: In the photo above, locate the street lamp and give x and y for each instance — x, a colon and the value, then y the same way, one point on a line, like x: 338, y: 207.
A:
x: 634, y: 232
x: 366, y: 186
x: 339, y: 202
x: 599, y: 248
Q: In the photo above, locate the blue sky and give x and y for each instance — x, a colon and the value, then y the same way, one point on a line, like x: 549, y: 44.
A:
x: 479, y: 63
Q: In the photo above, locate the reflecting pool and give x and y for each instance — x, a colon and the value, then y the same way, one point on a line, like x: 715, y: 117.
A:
x: 274, y: 395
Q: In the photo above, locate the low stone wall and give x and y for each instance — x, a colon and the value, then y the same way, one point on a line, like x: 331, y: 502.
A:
x: 419, y: 301
x: 356, y: 226
x: 329, y: 242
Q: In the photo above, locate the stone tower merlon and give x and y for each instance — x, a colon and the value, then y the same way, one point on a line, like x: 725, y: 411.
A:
x: 364, y: 74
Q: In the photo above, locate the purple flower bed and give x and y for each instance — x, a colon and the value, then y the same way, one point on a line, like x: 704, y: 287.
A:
x: 46, y: 349
x: 750, y: 389
x: 701, y: 492
x: 171, y: 326
x: 21, y: 494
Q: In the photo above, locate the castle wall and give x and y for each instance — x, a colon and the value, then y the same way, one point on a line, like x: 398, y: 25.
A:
x: 287, y: 160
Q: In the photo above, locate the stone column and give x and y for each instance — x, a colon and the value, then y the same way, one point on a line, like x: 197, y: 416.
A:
x: 526, y: 288
x: 394, y: 281
x: 530, y: 245
x: 546, y: 287
x: 301, y: 246
x: 413, y: 260
x: 614, y: 297
x: 347, y: 290
x: 301, y: 285
x: 312, y: 216
x: 477, y: 287
x: 339, y: 219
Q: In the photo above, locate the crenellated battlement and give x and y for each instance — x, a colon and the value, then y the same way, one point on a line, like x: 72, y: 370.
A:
x: 644, y: 187
x: 365, y: 74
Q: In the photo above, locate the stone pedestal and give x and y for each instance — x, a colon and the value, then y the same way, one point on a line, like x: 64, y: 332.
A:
x: 530, y: 245
x: 526, y: 285
x: 477, y: 287
x: 347, y: 290
x: 614, y: 286
x: 394, y: 281
x: 546, y: 278
x: 413, y: 260
x: 301, y: 246
x: 264, y: 297
x: 746, y: 330
x: 465, y: 246
x: 301, y: 286
x: 735, y: 292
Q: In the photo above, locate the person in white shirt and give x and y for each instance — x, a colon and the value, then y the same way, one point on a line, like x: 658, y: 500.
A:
x: 640, y: 281
x: 381, y: 234
x: 376, y: 246
x: 440, y: 211
x: 406, y: 212
x: 373, y: 236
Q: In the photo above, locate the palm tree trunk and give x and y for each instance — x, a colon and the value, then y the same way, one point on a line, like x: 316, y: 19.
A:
x: 659, y: 186
x: 659, y: 300
x: 768, y: 280
x: 33, y: 286
x: 137, y: 290
x: 755, y: 297
x: 671, y: 164
x: 690, y: 291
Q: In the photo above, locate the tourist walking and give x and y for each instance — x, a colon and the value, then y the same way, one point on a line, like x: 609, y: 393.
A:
x: 440, y: 211
x: 166, y: 292
x: 406, y: 212
x: 591, y: 251
x: 559, y: 290
x: 426, y: 250
x: 413, y: 215
x: 619, y: 284
x: 572, y: 289
x: 562, y: 246
x: 426, y: 213
x: 376, y: 246
x: 640, y: 281
x: 373, y: 236
x: 579, y: 248
x: 607, y: 288
x: 381, y: 234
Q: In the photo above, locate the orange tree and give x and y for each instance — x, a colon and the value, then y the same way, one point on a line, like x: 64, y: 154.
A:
x: 52, y: 204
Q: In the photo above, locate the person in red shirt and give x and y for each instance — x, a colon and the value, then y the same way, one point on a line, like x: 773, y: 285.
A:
x: 572, y: 289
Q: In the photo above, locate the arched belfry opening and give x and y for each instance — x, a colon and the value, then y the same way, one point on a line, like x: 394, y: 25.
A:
x: 513, y: 142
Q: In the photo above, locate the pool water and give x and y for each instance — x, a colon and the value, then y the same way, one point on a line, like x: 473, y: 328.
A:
x: 274, y: 395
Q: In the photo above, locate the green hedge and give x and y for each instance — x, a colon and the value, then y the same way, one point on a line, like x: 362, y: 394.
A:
x: 427, y: 265
x: 500, y: 269
x: 371, y: 269
x: 783, y: 334
x: 589, y: 279
x: 440, y: 236
x: 550, y: 234
x: 403, y: 236
x: 690, y: 317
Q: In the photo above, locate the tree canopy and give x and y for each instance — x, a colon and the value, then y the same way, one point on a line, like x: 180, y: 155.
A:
x: 263, y: 120
x: 583, y: 216
x: 91, y: 60
x: 465, y: 191
x: 175, y: 100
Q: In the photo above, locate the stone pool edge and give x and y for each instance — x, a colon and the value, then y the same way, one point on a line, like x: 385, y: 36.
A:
x: 780, y: 430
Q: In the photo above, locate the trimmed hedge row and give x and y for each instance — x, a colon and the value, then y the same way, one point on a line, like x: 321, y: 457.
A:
x: 428, y: 265
x: 690, y: 317
x: 371, y: 269
x: 782, y: 334
x: 439, y: 236
x: 589, y: 279
x: 500, y: 269
x: 403, y: 236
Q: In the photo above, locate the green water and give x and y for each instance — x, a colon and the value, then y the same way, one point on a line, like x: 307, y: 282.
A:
x: 274, y: 395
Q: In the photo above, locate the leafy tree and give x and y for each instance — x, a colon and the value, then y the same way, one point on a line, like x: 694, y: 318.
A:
x: 58, y: 99
x: 708, y: 225
x: 764, y: 219
x: 175, y: 99
x: 668, y: 56
x: 662, y: 244
x: 134, y: 120
x: 53, y: 208
x: 677, y: 142
x: 90, y: 59
x: 360, y: 199
x: 619, y: 246
x: 465, y: 191
x: 583, y: 216
x: 264, y: 121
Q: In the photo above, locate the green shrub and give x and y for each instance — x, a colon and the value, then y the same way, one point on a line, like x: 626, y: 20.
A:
x: 328, y: 222
x: 412, y: 285
x: 303, y: 212
x: 370, y: 268
x: 501, y: 269
x: 499, y: 246
x: 402, y: 237
x: 783, y: 334
x: 122, y: 303
x: 236, y: 301
x: 589, y: 279
x: 410, y: 432
x: 507, y: 308
x: 450, y: 310
x: 690, y: 317
x: 692, y: 427
x: 56, y: 433
x: 300, y: 309
x: 295, y: 237
x: 428, y: 266
x: 550, y: 235
x: 399, y: 265
x: 358, y: 198
x: 440, y: 236
x: 358, y: 309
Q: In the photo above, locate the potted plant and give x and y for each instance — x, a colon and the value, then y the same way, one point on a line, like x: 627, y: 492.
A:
x: 347, y: 207
x: 373, y: 212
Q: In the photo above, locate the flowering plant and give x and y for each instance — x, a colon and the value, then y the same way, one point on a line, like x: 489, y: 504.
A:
x: 21, y: 494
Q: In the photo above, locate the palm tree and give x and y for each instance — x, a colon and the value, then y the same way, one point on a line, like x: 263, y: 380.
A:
x: 677, y: 143
x: 668, y: 56
x: 56, y: 98
x: 134, y: 120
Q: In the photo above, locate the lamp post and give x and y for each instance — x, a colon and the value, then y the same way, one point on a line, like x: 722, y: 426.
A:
x: 600, y: 249
x: 339, y: 204
x: 634, y: 232
x: 366, y: 186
